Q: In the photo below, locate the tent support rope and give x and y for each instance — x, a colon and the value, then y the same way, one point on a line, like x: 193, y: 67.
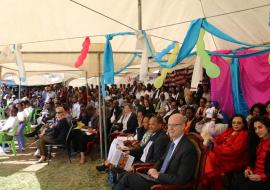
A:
x: 213, y: 16
x: 110, y: 18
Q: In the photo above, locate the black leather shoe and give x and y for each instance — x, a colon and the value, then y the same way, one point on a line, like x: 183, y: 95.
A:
x: 101, y: 168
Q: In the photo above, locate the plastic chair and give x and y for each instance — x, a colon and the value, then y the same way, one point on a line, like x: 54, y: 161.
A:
x: 2, y: 113
x: 36, y: 114
x: 65, y: 145
x: 27, y: 128
x: 11, y: 143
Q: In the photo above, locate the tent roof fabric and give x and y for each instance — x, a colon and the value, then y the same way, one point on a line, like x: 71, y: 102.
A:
x: 59, y: 27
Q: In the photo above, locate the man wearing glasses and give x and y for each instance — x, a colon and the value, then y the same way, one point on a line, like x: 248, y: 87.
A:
x: 177, y: 166
x: 55, y: 134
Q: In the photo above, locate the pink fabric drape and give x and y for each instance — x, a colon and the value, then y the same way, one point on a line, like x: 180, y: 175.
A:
x: 255, y: 78
x: 221, y: 87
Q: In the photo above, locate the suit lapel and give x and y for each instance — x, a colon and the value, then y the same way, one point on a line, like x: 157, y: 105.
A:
x: 153, y: 138
x: 177, y: 149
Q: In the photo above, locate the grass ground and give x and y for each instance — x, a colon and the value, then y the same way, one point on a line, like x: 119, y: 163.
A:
x: 21, y: 173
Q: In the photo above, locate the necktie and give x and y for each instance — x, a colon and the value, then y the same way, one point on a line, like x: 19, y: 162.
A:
x: 167, y: 159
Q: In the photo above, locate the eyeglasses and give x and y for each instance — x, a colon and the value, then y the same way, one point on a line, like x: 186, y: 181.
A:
x: 237, y: 123
x: 58, y: 112
x: 174, y: 125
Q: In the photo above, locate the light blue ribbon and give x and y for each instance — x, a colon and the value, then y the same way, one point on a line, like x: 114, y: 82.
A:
x: 191, y: 39
x: 184, y: 52
x: 233, y: 55
x: 187, y: 46
x: 108, y: 62
x: 108, y: 65
x: 240, y: 55
x: 218, y: 33
x: 135, y: 54
x: 164, y: 51
x: 239, y: 103
x: 103, y: 90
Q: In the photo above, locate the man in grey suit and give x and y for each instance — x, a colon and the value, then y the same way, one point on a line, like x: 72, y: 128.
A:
x: 177, y: 166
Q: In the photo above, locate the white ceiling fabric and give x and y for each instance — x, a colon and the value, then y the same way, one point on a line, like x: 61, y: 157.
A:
x: 38, y: 20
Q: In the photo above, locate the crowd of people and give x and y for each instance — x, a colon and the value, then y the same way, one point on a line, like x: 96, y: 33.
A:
x: 151, y: 125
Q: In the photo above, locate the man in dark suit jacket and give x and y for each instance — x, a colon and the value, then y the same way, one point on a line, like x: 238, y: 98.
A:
x: 177, y: 166
x: 159, y: 141
x: 114, y: 115
x: 132, y: 124
x: 115, y: 112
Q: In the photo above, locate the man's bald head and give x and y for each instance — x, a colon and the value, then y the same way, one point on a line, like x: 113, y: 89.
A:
x: 175, y: 125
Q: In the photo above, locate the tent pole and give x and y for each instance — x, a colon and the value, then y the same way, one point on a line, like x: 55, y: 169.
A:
x: 105, y: 128
x: 139, y: 15
x: 99, y: 109
x: 86, y: 80
x: 86, y: 86
x: 20, y: 85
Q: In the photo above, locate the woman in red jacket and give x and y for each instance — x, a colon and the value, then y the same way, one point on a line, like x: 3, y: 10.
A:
x: 228, y: 153
x: 257, y: 173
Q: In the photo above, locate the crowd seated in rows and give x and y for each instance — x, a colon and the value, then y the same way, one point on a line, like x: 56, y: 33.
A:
x: 152, y: 125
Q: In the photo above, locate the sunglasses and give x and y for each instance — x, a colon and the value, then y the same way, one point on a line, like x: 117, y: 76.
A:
x: 58, y: 112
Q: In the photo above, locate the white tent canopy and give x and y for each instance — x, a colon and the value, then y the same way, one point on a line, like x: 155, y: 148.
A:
x: 52, y: 31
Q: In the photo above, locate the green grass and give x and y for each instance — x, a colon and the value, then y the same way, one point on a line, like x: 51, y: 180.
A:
x: 21, y: 173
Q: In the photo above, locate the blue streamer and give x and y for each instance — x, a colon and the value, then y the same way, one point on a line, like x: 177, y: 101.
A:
x: 164, y: 51
x: 108, y: 65
x: 216, y: 32
x: 233, y: 55
x: 184, y: 52
x: 187, y: 46
x: 239, y: 103
x: 240, y: 55
x: 191, y: 39
x: 135, y: 54
x: 108, y: 62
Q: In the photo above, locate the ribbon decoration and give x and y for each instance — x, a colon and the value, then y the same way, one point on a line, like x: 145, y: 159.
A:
x: 145, y: 60
x: 108, y: 61
x: 135, y: 54
x: 84, y: 51
x: 17, y: 51
x: 160, y: 80
x: 212, y: 70
x: 197, y: 75
x: 191, y: 39
x: 103, y: 90
x: 239, y: 103
x: 187, y: 46
x: 108, y: 65
x: 140, y: 42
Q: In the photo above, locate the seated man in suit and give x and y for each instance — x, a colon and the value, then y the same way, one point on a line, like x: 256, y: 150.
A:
x: 56, y: 134
x: 177, y: 166
x: 154, y: 148
x: 156, y: 145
